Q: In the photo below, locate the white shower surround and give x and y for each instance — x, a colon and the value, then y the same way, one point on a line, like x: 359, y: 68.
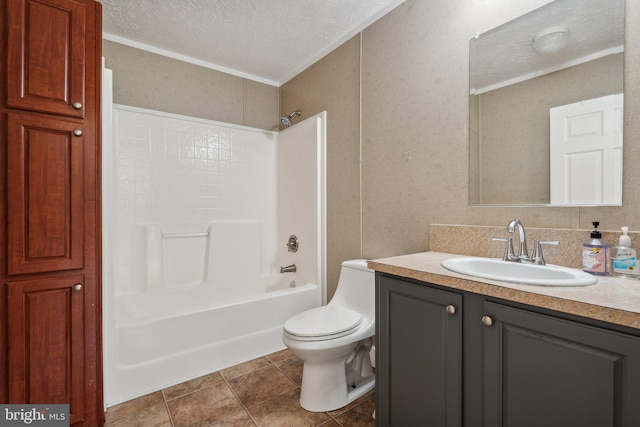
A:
x: 197, y: 214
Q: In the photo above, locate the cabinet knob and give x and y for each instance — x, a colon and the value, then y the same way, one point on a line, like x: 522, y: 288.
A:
x: 77, y: 287
x: 77, y: 132
x: 451, y: 309
x: 77, y: 105
x: 487, y: 321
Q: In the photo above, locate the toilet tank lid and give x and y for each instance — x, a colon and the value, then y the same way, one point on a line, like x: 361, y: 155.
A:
x: 360, y: 264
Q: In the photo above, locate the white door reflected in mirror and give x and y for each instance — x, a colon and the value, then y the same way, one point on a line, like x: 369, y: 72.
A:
x: 586, y: 152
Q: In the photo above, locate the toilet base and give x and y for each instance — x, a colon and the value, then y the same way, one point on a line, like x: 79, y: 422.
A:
x: 333, y: 384
x: 326, y: 396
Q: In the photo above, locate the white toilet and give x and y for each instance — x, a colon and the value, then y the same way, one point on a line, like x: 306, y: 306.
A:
x: 334, y: 342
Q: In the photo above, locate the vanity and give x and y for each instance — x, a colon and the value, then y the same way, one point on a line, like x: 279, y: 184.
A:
x: 456, y: 350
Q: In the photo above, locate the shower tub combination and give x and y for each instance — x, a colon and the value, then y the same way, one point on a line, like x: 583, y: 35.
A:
x: 191, y: 303
x: 177, y: 330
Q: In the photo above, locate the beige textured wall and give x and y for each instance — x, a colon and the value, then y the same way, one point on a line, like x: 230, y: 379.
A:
x: 333, y: 85
x: 147, y: 80
x: 414, y: 98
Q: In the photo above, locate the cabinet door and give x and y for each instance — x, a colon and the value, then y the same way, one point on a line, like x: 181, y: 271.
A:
x: 45, y: 326
x: 45, y: 194
x: 46, y: 56
x: 418, y: 348
x: 544, y: 371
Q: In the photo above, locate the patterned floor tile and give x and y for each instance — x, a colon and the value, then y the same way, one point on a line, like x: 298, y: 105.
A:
x: 293, y: 369
x: 151, y: 416
x: 359, y: 416
x: 192, y: 385
x: 238, y: 420
x: 262, y: 392
x: 261, y: 385
x: 133, y: 406
x: 279, y: 356
x: 204, y: 407
x: 285, y: 411
x: 358, y: 401
x: 244, y: 368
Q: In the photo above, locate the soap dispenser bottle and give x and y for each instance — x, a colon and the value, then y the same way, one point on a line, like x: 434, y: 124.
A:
x: 625, y: 260
x: 595, y: 253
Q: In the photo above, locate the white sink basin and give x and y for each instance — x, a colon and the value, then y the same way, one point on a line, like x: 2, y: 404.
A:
x: 529, y: 274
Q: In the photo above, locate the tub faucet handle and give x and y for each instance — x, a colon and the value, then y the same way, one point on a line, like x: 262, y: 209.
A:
x: 292, y: 243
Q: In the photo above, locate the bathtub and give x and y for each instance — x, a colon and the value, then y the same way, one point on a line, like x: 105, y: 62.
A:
x: 156, y: 348
x: 199, y: 307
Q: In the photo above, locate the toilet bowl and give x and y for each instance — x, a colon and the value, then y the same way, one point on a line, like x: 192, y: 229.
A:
x: 334, y: 341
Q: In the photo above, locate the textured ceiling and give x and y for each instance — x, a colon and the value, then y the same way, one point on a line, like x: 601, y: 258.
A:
x: 266, y: 40
x: 505, y: 54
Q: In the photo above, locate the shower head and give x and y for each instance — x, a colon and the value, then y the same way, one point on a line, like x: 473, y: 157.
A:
x: 286, y: 120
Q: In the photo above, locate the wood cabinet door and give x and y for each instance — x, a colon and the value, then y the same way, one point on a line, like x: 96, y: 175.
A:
x: 544, y: 371
x: 45, y: 194
x: 46, y: 56
x: 418, y: 351
x: 45, y: 326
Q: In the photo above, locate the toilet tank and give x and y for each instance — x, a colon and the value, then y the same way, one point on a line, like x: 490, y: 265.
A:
x: 356, y: 287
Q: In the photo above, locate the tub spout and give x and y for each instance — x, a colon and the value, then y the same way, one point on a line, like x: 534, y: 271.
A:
x: 288, y: 269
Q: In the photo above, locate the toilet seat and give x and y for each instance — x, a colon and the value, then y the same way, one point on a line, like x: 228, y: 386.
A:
x: 322, y: 323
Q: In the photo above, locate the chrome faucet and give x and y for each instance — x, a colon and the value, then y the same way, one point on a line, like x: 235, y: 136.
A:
x: 288, y: 269
x: 523, y: 253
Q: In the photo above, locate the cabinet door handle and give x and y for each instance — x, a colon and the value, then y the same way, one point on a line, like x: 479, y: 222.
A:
x: 451, y: 309
x: 77, y: 105
x: 77, y: 132
x: 487, y: 321
x: 77, y: 287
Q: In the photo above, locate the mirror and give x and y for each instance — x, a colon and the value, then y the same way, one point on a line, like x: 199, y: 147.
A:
x: 544, y: 88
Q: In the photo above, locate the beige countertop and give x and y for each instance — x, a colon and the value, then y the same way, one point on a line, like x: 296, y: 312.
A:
x: 613, y: 300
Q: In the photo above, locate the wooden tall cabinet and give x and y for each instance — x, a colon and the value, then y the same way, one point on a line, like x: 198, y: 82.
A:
x: 50, y: 295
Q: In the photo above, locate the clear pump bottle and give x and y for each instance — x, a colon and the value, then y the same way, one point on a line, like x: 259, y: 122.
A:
x: 595, y: 253
x: 624, y: 257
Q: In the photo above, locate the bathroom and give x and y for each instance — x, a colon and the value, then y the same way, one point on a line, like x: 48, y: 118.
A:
x: 396, y: 97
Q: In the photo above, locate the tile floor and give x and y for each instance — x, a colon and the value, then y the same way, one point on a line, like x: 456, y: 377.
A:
x: 261, y: 392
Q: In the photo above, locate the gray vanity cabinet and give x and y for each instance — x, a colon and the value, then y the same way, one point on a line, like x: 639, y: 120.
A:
x: 543, y: 371
x: 495, y: 363
x: 418, y: 365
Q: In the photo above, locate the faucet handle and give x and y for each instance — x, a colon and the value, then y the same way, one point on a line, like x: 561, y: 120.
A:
x: 508, y: 252
x: 537, y: 256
